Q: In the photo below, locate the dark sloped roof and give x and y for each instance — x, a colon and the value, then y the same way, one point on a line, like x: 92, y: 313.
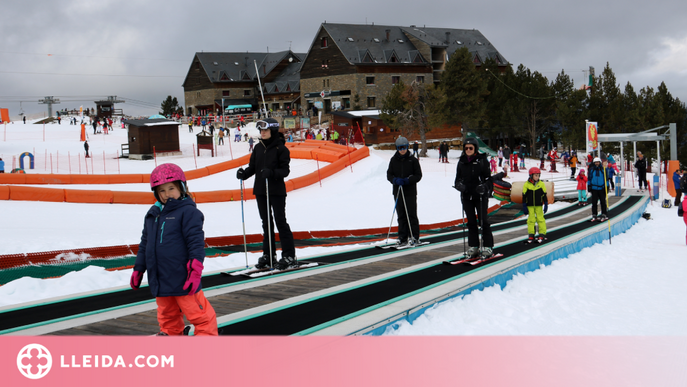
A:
x: 287, y: 80
x: 473, y: 39
x: 239, y: 66
x: 355, y: 39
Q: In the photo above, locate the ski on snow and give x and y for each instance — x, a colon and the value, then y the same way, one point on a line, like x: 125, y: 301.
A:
x: 394, y: 246
x: 255, y: 273
x: 482, y: 260
x: 465, y: 259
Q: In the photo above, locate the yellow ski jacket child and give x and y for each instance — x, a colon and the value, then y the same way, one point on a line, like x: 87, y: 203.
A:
x: 535, y: 204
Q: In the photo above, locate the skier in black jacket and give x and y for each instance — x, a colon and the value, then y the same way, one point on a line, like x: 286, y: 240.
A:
x: 404, y: 171
x: 473, y: 180
x: 270, y: 161
x: 640, y: 164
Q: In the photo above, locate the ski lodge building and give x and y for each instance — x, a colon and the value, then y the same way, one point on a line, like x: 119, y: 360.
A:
x: 347, y: 67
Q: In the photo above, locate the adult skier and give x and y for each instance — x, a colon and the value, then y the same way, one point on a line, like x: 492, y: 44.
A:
x: 473, y: 180
x: 404, y: 173
x: 596, y: 185
x: 640, y: 165
x: 269, y: 162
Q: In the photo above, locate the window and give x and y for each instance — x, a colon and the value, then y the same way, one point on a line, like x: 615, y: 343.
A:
x: 346, y: 103
x: 370, y: 81
x: 246, y: 93
x: 275, y: 106
x: 370, y: 102
x: 324, y: 83
x: 395, y: 79
x: 324, y: 42
x: 226, y: 93
x: 420, y: 79
x: 327, y: 82
x: 197, y: 94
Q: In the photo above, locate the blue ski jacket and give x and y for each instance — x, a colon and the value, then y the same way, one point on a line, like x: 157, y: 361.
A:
x: 595, y: 178
x: 172, y: 235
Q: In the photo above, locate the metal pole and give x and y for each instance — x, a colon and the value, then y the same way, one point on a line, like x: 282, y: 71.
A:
x: 269, y: 221
x: 673, y: 141
x: 243, y: 222
x: 622, y: 163
x: 658, y: 154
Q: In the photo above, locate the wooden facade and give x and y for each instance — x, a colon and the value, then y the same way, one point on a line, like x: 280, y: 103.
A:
x: 147, y: 137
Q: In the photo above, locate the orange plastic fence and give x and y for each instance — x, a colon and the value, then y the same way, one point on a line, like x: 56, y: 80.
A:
x: 17, y: 192
x: 15, y: 260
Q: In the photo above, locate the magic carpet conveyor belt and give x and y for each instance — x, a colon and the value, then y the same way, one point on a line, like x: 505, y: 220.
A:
x: 309, y: 316
x: 12, y: 319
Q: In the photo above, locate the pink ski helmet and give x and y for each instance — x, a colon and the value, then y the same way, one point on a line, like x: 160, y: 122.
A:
x: 167, y: 173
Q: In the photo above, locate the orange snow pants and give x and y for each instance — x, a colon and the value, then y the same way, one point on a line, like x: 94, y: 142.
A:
x: 197, y: 309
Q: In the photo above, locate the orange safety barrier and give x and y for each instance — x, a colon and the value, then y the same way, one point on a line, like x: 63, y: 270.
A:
x: 298, y: 153
x: 196, y: 173
x: 87, y: 196
x: 13, y: 178
x: 125, y: 179
x: 36, y: 194
x: 121, y: 197
x: 14, y: 192
x: 47, y: 179
x: 90, y: 179
x: 327, y: 155
x: 4, y: 192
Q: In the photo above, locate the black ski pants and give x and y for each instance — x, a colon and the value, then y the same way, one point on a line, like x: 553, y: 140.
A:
x: 641, y: 175
x: 405, y: 211
x: 473, y: 205
x: 278, y: 204
x: 598, y: 195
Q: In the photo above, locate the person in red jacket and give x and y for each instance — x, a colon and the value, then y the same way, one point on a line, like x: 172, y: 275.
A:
x: 581, y: 188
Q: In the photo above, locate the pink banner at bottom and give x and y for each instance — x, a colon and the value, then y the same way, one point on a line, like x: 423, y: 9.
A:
x: 343, y: 361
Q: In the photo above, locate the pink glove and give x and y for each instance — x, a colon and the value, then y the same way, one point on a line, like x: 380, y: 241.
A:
x: 195, y: 269
x: 136, y: 278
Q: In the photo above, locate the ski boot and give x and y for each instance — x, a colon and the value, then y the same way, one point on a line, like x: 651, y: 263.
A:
x: 401, y: 242
x: 286, y: 262
x: 530, y: 239
x: 473, y: 252
x: 602, y: 218
x: 487, y: 252
x: 264, y: 262
x: 541, y: 238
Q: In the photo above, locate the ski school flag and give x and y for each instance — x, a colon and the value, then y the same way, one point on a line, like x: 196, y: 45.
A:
x: 592, y: 136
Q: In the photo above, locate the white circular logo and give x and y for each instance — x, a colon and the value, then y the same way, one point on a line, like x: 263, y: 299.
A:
x: 34, y: 361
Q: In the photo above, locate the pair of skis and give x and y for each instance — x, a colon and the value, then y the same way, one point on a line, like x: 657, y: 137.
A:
x: 395, y: 246
x: 256, y: 273
x: 474, y: 261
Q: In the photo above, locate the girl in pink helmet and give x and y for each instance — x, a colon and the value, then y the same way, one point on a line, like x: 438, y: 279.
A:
x: 172, y: 251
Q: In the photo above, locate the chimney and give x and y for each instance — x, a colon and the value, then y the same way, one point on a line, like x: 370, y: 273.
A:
x: 448, y: 38
x: 388, y: 33
x: 245, y: 62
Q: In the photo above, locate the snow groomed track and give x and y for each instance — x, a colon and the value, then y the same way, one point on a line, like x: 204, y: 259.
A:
x: 344, y: 296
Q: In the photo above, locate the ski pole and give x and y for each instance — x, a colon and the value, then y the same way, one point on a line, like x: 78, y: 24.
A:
x: 609, y: 219
x: 464, y: 221
x: 481, y: 237
x: 392, y: 218
x: 269, y: 220
x: 243, y: 223
x: 405, y: 207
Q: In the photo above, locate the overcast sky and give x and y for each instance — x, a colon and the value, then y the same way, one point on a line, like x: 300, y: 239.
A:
x: 82, y: 50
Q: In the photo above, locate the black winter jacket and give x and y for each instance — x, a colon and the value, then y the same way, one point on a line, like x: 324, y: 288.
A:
x: 404, y: 166
x: 640, y: 164
x: 272, y: 155
x: 473, y: 173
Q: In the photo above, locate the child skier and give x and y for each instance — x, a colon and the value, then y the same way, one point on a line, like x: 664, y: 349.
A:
x: 173, y: 255
x: 535, y: 203
x: 597, y: 186
x: 581, y: 188
x: 492, y: 162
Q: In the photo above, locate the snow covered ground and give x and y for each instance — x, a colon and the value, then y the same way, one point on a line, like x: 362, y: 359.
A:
x: 628, y: 288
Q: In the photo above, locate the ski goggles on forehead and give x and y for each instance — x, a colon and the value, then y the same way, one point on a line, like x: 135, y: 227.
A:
x: 402, y: 147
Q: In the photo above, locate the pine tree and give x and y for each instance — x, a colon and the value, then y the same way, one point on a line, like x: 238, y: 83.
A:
x: 463, y: 91
x: 170, y: 106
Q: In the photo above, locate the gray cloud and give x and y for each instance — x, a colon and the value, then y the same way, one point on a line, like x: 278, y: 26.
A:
x: 157, y: 39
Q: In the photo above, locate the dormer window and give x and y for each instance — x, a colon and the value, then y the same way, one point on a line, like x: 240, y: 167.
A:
x: 351, y: 40
x: 324, y: 43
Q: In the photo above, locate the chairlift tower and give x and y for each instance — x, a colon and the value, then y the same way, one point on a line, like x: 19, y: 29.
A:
x: 49, y: 101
